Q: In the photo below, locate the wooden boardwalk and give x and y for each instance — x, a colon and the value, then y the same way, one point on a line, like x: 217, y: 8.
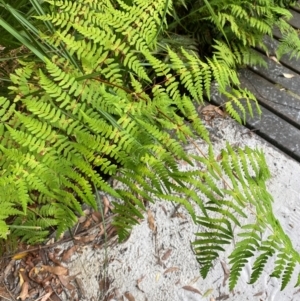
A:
x: 277, y: 89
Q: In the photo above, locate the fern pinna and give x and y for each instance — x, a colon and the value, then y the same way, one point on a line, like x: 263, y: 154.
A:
x: 106, y: 103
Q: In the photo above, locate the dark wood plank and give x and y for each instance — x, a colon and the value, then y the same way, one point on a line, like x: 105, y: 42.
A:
x: 279, y: 96
x: 292, y: 63
x: 276, y: 33
x: 274, y: 72
x: 297, y: 7
x: 278, y: 101
x: 272, y: 128
x: 295, y: 21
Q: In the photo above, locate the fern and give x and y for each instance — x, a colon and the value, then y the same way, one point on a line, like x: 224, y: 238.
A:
x: 244, y: 249
x: 249, y: 174
x: 289, y: 42
x: 267, y: 250
x: 110, y: 102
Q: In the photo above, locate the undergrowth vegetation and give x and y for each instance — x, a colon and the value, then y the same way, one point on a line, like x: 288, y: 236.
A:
x: 105, y: 88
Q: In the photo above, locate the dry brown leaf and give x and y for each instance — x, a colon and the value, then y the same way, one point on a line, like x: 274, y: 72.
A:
x: 47, y: 296
x: 110, y: 231
x: 81, y: 219
x: 171, y: 269
x: 288, y: 75
x: 65, y: 280
x: 191, y: 289
x: 34, y: 274
x: 68, y: 253
x: 104, y: 284
x: 102, y: 230
x: 138, y: 283
x: 115, y: 295
x: 50, y: 241
x: 29, y: 259
x: 110, y: 297
x: 87, y: 223
x: 9, y: 268
x: 19, y: 255
x: 167, y: 255
x: 53, y: 257
x: 195, y: 280
x: 85, y: 239
x: 225, y: 268
x: 4, y: 293
x: 226, y: 272
x: 24, y: 292
x: 164, y: 209
x: 211, y: 110
x: 219, y: 111
x: 219, y: 157
x: 258, y: 294
x: 57, y: 270
x: 223, y: 297
x: 21, y: 277
x: 87, y: 211
x: 151, y: 221
x: 106, y: 201
x: 274, y: 58
x: 73, y: 277
x: 141, y: 279
x: 179, y: 215
x: 80, y: 285
x: 52, y: 297
x: 208, y: 108
x: 107, y: 204
x: 96, y: 216
x: 129, y: 296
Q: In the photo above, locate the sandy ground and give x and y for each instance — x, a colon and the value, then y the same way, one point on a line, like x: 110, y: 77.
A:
x: 161, y: 266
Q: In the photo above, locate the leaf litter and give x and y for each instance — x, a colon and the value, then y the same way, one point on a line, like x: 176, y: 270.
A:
x: 166, y: 255
x: 151, y: 221
x: 226, y: 272
x: 191, y: 289
x: 171, y: 269
x: 129, y: 296
x: 43, y: 271
x: 288, y: 75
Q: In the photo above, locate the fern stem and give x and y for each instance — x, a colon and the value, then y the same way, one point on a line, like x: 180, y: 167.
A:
x: 100, y: 208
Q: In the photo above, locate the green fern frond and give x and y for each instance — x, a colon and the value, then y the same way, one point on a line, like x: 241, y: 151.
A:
x: 219, y: 234
x: 289, y: 42
x: 244, y: 249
